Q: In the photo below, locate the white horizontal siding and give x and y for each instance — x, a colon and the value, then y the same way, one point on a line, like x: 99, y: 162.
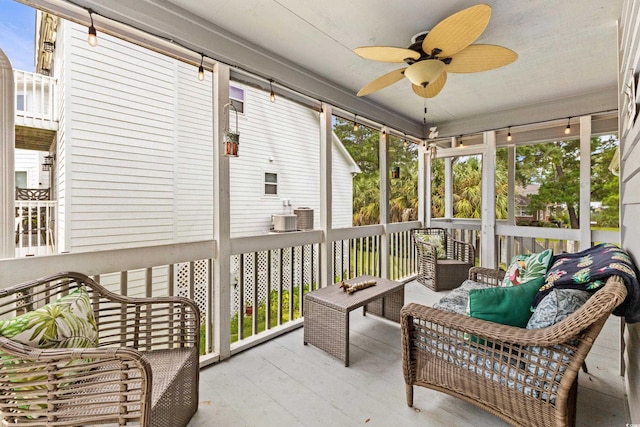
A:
x: 282, y: 138
x: 140, y: 143
x: 342, y: 191
x: 120, y: 112
x: 193, y: 156
x: 630, y: 188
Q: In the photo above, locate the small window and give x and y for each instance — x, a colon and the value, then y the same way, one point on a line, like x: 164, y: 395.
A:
x: 20, y: 103
x: 270, y: 184
x: 21, y: 179
x: 236, y: 96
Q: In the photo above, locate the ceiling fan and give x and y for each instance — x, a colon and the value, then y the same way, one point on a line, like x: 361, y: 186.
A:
x: 445, y: 49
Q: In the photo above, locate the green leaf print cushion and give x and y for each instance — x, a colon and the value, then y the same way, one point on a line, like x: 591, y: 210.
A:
x: 65, y: 323
x: 435, y: 240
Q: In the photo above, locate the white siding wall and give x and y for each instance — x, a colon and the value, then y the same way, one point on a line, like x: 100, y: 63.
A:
x: 128, y: 155
x: 135, y: 151
x: 62, y: 161
x: 193, y: 156
x: 342, y: 186
x: 283, y: 138
x: 630, y: 189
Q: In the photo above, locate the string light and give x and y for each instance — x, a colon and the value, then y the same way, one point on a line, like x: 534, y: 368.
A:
x: 509, y: 137
x: 201, y: 68
x: 460, y: 144
x: 93, y: 35
x: 567, y: 130
x: 272, y: 95
x: 355, y: 123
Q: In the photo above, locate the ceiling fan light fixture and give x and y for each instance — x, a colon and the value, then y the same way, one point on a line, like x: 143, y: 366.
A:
x: 424, y: 72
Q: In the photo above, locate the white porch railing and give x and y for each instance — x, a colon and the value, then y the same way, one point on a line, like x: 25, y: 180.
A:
x: 270, y: 273
x: 35, y: 100
x: 35, y: 231
x: 512, y: 239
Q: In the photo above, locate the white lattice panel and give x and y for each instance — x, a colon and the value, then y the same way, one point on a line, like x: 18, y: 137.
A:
x: 201, y: 279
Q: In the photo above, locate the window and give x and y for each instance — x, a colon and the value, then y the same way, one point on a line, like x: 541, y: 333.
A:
x: 20, y: 103
x: 270, y: 184
x: 236, y: 96
x: 21, y: 179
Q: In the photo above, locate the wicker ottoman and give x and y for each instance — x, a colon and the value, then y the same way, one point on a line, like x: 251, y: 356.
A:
x: 326, y: 312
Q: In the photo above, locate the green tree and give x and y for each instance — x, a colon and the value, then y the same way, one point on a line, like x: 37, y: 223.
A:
x: 363, y: 146
x: 467, y: 188
x: 556, y: 168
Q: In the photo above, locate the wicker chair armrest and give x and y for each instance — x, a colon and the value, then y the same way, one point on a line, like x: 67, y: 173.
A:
x: 170, y: 320
x: 462, y: 251
x: 84, y: 384
x: 488, y: 276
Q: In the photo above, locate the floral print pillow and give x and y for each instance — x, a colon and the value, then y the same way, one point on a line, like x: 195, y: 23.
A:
x: 524, y: 268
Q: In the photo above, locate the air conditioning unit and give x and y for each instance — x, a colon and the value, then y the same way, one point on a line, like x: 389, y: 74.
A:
x: 284, y: 222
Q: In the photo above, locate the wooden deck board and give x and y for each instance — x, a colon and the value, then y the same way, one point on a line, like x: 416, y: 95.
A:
x: 283, y: 382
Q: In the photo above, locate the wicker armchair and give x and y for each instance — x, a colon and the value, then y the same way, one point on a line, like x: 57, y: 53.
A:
x: 145, y: 370
x: 526, y: 377
x: 438, y: 273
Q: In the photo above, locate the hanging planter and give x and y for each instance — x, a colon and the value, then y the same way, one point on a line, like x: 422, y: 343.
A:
x: 231, y: 139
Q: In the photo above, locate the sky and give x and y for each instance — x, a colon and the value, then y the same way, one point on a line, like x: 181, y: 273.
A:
x: 17, y: 31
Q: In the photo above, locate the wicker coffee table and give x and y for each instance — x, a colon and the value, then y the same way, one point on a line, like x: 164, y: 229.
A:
x: 326, y: 312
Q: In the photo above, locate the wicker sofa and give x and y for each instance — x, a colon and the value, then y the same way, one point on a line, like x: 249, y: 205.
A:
x: 445, y: 264
x: 144, y: 370
x: 526, y: 377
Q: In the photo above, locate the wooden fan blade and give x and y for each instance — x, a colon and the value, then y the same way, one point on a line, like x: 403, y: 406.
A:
x: 432, y: 89
x: 480, y: 57
x: 386, y: 53
x: 457, y: 31
x: 382, y: 82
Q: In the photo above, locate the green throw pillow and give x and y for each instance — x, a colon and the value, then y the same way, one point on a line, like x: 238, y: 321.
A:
x: 527, y: 267
x: 435, y: 240
x: 506, y: 305
x: 65, y: 323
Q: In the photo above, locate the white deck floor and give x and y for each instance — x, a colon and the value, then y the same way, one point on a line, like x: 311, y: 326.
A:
x: 285, y: 383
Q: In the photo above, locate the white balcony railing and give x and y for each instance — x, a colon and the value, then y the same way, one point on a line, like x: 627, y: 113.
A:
x: 35, y: 100
x: 270, y: 274
x: 35, y: 231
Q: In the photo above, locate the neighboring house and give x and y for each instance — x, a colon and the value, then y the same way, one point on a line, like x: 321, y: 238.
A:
x: 141, y: 122
x: 524, y: 215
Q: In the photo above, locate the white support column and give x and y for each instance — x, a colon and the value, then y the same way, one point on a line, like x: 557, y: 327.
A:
x: 585, y: 182
x: 488, y: 250
x: 7, y: 158
x: 422, y: 185
x: 511, y: 194
x: 384, y: 200
x: 326, y: 196
x: 448, y: 182
x: 221, y: 216
x: 427, y: 176
x: 511, y: 184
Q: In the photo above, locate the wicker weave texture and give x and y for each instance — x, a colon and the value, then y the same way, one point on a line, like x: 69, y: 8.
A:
x: 326, y: 312
x: 145, y: 370
x: 526, y: 377
x: 442, y: 274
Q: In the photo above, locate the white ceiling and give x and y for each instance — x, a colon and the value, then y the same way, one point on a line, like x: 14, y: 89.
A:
x: 567, y: 64
x: 566, y: 48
